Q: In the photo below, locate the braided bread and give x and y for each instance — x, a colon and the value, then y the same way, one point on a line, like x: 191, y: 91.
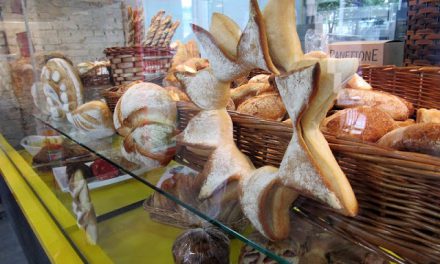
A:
x: 146, y: 117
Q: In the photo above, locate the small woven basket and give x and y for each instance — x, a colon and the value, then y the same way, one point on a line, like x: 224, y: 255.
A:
x: 96, y: 76
x: 423, y: 34
x: 398, y: 192
x: 138, y: 63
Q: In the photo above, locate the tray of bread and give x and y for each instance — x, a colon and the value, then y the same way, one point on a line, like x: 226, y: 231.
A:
x: 100, y: 174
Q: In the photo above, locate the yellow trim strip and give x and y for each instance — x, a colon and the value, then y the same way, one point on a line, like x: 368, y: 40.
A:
x: 53, y: 241
x: 92, y: 253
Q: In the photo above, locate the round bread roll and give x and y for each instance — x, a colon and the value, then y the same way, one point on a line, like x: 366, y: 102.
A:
x: 422, y: 138
x: 398, y: 108
x: 146, y: 117
x: 363, y: 123
x: 244, y: 92
x: 267, y: 106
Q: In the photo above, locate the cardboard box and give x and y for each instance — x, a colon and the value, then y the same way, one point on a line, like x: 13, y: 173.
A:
x: 381, y: 52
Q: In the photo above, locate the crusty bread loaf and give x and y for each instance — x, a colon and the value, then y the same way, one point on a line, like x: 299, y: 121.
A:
x: 398, y: 108
x: 267, y: 106
x: 363, y: 123
x: 244, y: 92
x: 260, y: 78
x: 177, y: 94
x: 357, y: 82
x: 405, y: 123
x: 422, y: 138
x: 146, y: 117
x: 317, y: 54
x: 93, y: 118
x: 284, y: 44
x: 226, y: 32
x: 428, y: 116
x: 62, y: 87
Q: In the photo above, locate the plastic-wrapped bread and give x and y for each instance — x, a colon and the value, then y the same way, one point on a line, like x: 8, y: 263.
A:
x: 428, y: 116
x: 422, y: 138
x: 93, y: 119
x: 398, y: 108
x: 202, y: 246
x: 363, y: 123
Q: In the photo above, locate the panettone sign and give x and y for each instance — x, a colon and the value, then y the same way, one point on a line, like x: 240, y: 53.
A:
x: 383, y: 52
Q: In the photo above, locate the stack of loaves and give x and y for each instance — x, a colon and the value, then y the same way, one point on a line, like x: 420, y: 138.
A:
x: 374, y: 116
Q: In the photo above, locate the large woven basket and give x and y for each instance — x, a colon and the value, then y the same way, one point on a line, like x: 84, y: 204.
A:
x: 398, y: 192
x: 138, y: 63
x: 423, y: 34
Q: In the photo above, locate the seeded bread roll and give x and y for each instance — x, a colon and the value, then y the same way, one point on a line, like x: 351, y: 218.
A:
x: 398, y: 108
x: 244, y: 92
x: 267, y: 106
x: 428, y: 115
x: 422, y: 138
x: 363, y: 123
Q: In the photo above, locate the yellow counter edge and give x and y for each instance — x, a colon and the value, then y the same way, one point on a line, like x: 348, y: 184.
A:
x: 53, y: 241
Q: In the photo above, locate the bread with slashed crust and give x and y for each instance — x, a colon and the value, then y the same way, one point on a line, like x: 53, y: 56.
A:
x: 422, y: 138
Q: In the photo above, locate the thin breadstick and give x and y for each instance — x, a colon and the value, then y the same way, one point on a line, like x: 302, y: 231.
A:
x: 164, y: 25
x: 154, y: 26
x: 170, y: 34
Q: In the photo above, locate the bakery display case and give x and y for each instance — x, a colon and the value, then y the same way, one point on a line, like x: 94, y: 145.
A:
x: 220, y: 131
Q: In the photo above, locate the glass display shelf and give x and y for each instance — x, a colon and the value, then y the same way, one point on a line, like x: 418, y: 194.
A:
x: 126, y: 210
x: 109, y: 149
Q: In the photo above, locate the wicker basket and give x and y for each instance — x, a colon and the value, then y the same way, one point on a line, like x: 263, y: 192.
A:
x: 423, y: 35
x: 398, y: 192
x: 96, y: 76
x: 138, y: 63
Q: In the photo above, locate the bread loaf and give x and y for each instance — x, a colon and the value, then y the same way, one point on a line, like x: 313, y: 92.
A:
x: 226, y: 33
x: 146, y: 117
x: 428, y: 116
x: 280, y: 24
x: 244, y: 92
x: 405, y: 123
x: 82, y: 205
x: 267, y: 106
x: 357, y: 82
x: 398, y: 108
x: 422, y: 138
x: 362, y: 123
x: 177, y: 94
x: 62, y: 87
x: 260, y: 78
x: 93, y: 118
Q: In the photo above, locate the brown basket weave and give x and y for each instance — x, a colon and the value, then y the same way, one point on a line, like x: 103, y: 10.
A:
x: 398, y: 192
x: 95, y: 77
x: 423, y: 35
x: 138, y: 63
